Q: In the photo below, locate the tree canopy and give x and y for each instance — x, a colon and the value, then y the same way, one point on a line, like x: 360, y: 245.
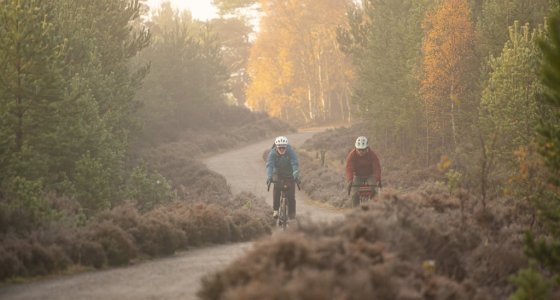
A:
x: 295, y: 67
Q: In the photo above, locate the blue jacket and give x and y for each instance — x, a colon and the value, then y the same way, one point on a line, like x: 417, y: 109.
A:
x: 284, y: 165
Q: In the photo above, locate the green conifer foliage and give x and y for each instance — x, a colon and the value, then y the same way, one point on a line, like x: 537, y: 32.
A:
x: 509, y: 108
x: 383, y: 39
x: 31, y: 96
x: 67, y: 98
x: 30, y: 85
x: 545, y: 248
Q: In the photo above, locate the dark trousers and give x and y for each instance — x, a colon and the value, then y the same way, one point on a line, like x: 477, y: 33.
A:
x: 291, y: 195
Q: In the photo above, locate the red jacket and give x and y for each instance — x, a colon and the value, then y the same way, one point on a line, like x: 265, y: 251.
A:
x: 363, y: 166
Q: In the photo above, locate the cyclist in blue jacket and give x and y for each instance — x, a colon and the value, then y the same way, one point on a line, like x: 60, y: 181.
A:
x: 282, y: 163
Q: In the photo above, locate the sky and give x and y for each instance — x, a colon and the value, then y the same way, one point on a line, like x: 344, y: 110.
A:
x: 200, y: 9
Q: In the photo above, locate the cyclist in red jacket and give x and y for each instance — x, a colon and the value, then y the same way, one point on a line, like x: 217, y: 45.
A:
x: 362, y: 166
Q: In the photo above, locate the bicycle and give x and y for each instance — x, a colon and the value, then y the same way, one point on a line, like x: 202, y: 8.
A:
x: 366, y: 193
x: 283, y: 209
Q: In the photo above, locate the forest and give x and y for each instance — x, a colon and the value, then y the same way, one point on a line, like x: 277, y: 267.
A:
x: 107, y: 108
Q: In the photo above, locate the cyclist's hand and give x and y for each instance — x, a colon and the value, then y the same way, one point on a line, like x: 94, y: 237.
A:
x: 379, y: 185
x: 298, y: 182
x: 268, y: 181
x: 296, y: 175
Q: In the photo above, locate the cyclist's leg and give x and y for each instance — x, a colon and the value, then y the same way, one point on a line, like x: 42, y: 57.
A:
x: 291, y: 195
x: 354, y: 191
x: 371, y: 183
x: 276, y: 197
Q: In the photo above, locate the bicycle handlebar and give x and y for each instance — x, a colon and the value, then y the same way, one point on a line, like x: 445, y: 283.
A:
x: 350, y: 185
x: 296, y: 181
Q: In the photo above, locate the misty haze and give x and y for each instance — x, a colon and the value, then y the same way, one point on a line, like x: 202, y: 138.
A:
x: 266, y: 149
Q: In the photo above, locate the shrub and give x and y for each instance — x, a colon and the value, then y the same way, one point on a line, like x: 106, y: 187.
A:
x: 24, y: 208
x: 156, y: 236
x: 61, y: 258
x: 244, y: 226
x: 90, y: 253
x: 183, y: 218
x: 28, y: 257
x: 211, y: 187
x: 211, y: 223
x: 11, y: 265
x: 125, y: 216
x: 149, y: 189
x: 92, y: 182
x: 117, y: 244
x: 41, y: 260
x: 492, y: 264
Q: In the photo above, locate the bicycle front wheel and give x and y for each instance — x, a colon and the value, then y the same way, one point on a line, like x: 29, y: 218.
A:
x: 283, y: 213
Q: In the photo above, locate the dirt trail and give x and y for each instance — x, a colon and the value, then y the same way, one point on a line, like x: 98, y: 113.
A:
x: 244, y: 170
x: 176, y: 277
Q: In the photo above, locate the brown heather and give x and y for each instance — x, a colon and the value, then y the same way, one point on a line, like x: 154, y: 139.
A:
x: 417, y: 241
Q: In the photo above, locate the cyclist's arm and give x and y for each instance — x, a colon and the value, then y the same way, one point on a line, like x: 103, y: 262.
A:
x: 293, y: 159
x: 349, y: 169
x: 270, y: 163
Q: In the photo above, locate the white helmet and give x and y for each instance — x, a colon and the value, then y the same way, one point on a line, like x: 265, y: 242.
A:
x: 281, y: 141
x: 361, y: 142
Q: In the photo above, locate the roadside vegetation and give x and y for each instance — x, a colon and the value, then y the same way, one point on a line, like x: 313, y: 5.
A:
x: 174, y: 203
x: 402, y: 247
x: 106, y: 109
x: 460, y: 100
x: 101, y: 145
x: 420, y: 239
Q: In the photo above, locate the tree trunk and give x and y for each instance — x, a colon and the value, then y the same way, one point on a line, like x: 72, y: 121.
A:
x: 453, y: 126
x: 310, y: 102
x: 427, y: 134
x: 19, y: 104
x: 19, y: 128
x: 321, y: 91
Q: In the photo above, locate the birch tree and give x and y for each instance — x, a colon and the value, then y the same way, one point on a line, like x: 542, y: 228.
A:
x: 449, y: 70
x: 296, y: 70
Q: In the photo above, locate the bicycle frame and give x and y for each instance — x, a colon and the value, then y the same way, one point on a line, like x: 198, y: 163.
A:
x: 283, y: 209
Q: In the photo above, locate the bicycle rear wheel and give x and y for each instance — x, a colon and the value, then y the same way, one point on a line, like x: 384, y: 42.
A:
x: 364, y: 201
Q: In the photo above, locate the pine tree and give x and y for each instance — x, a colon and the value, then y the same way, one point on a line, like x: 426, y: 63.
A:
x: 384, y: 41
x: 31, y: 96
x: 509, y: 109
x: 102, y: 37
x: 546, y: 249
x: 548, y: 253
x: 31, y: 86
x: 67, y: 96
x: 187, y: 77
x: 497, y: 16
